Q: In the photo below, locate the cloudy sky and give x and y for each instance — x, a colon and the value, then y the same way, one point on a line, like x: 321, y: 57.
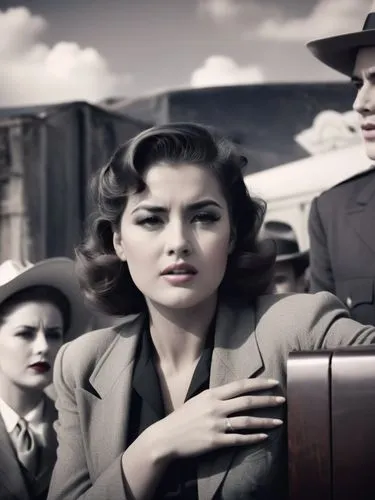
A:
x: 59, y: 50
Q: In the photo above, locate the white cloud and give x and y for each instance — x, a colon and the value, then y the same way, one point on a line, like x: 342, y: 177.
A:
x: 329, y: 17
x: 222, y: 70
x: 33, y: 73
x: 219, y: 10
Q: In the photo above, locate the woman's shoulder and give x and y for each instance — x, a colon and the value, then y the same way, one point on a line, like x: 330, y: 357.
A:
x: 298, y: 312
x: 86, y: 350
x: 300, y: 303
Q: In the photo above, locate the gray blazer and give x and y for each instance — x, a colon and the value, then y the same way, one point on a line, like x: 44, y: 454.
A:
x: 12, y: 483
x: 93, y: 383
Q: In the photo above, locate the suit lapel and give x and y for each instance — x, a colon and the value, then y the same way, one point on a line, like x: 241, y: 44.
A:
x: 105, y: 409
x: 361, y: 212
x: 235, y: 356
x: 11, y: 477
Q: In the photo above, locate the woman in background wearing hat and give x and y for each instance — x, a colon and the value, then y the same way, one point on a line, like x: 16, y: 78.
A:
x: 40, y: 307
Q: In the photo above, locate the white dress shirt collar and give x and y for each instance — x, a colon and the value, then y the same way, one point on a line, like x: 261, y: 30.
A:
x: 34, y: 418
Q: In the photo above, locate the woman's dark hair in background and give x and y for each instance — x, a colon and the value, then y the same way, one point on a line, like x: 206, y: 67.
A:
x: 105, y: 279
x: 40, y: 293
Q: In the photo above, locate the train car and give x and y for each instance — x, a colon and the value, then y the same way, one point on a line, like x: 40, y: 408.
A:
x: 47, y: 157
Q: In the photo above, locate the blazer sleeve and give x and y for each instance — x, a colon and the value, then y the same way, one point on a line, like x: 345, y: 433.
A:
x: 321, y: 278
x: 71, y: 478
x: 329, y: 325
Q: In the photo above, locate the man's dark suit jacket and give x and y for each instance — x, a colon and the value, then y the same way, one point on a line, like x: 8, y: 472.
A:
x: 342, y: 244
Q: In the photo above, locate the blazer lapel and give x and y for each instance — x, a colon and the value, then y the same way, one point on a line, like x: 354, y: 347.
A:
x: 361, y: 213
x: 11, y: 478
x: 105, y: 408
x: 235, y: 356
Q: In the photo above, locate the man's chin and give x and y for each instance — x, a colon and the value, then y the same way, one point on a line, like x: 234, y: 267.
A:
x: 370, y: 151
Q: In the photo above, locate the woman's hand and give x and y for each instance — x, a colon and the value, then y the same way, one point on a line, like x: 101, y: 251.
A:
x: 213, y: 419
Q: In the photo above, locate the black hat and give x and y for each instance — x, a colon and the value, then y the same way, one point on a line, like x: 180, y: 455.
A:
x: 287, y: 248
x: 339, y: 52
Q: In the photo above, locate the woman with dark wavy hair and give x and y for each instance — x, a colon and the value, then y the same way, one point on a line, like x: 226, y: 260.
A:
x: 184, y: 399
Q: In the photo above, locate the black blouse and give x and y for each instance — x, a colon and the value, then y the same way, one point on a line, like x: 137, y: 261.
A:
x: 180, y: 479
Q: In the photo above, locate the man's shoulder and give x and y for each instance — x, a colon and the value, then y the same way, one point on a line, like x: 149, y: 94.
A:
x: 348, y: 185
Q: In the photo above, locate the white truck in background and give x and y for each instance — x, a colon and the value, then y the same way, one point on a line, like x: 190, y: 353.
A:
x: 337, y: 154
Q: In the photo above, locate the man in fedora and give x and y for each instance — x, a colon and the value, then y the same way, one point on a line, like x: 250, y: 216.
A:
x: 291, y: 264
x: 342, y: 219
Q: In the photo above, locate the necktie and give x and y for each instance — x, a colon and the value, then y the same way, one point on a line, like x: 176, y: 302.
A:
x: 26, y: 446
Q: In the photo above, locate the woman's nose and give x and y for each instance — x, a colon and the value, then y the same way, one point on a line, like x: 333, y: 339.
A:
x: 41, y: 344
x: 178, y: 241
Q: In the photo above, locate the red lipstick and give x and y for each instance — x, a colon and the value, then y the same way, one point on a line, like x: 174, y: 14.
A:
x: 41, y: 367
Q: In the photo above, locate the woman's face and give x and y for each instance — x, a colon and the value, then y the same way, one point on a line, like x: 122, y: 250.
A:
x: 175, y: 236
x: 30, y: 336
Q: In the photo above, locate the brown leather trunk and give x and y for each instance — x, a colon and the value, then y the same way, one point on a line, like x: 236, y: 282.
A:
x: 331, y: 424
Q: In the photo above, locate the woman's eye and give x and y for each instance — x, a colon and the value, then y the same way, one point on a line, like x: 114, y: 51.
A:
x: 151, y: 221
x: 358, y: 85
x: 27, y: 334
x: 57, y: 335
x: 206, y: 217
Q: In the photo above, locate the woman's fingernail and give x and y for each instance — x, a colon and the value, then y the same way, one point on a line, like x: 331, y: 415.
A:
x: 277, y: 421
x: 273, y: 382
x: 280, y: 399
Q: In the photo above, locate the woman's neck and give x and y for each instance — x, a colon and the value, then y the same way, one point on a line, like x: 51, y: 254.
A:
x: 20, y: 400
x: 179, y: 335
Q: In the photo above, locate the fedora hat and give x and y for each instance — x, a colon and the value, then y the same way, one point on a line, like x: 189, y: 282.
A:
x: 339, y: 52
x: 56, y: 272
x: 284, y: 237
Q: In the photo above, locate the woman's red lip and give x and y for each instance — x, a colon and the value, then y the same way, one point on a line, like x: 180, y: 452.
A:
x: 43, y: 367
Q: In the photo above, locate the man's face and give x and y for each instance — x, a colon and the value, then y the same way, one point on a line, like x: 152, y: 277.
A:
x: 285, y: 279
x: 364, y: 104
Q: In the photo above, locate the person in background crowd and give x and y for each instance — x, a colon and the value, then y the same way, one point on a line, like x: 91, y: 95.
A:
x: 342, y: 219
x: 184, y: 399
x: 40, y: 307
x: 291, y: 264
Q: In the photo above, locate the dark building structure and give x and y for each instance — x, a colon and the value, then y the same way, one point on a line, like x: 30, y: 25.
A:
x: 262, y: 118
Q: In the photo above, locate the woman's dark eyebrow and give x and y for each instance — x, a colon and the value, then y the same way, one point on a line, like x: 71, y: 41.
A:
x: 33, y: 328
x: 156, y: 209
x: 203, y: 204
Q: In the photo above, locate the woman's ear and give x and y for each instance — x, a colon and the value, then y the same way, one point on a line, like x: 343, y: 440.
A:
x: 118, y: 246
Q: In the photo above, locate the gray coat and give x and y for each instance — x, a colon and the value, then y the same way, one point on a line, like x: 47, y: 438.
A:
x: 93, y: 377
